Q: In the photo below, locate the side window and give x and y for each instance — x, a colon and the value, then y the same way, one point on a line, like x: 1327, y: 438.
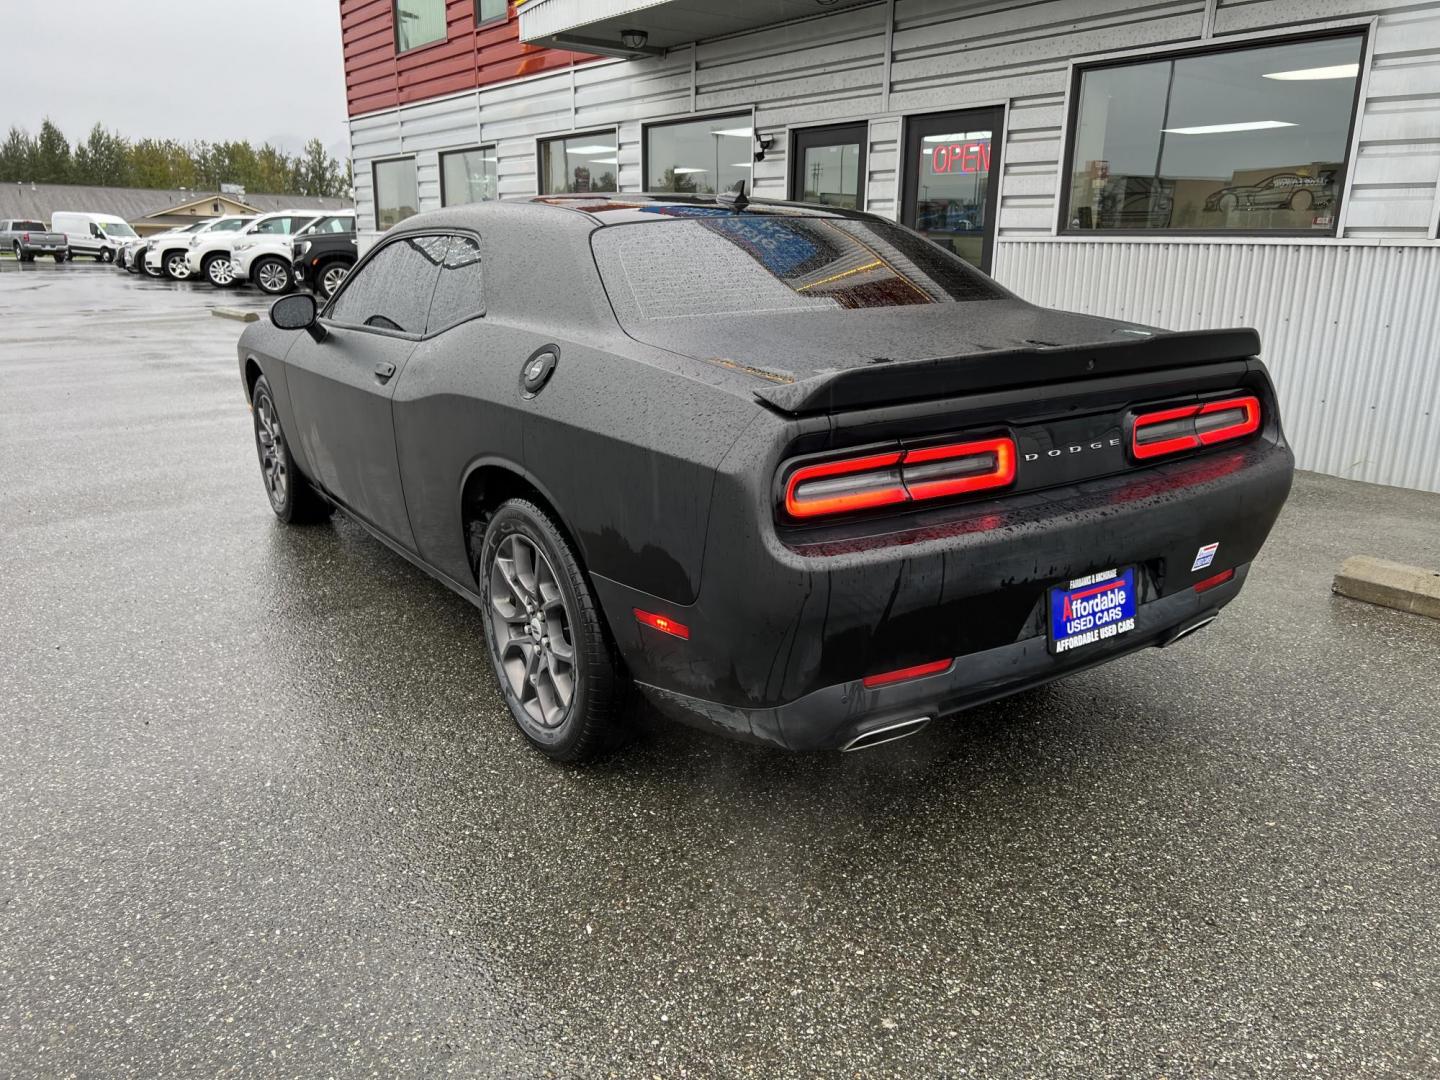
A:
x: 274, y: 225
x: 392, y: 290
x: 95, y: 229
x: 458, y: 294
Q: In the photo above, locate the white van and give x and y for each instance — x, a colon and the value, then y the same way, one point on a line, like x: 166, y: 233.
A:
x: 100, y: 236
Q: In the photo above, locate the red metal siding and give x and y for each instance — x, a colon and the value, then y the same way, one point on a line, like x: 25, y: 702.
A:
x: 376, y: 78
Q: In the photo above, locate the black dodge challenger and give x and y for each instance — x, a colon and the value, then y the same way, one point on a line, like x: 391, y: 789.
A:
x: 796, y: 473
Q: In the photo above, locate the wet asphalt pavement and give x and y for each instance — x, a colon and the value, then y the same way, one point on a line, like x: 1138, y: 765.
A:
x: 263, y: 815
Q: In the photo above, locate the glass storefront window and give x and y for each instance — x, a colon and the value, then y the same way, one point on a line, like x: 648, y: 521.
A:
x: 396, y: 195
x: 954, y: 165
x: 1247, y: 139
x: 700, y: 156
x: 578, y: 163
x: 418, y: 22
x: 468, y: 176
x: 828, y: 165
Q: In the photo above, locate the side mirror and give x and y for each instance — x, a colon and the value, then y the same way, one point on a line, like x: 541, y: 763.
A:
x: 297, y: 312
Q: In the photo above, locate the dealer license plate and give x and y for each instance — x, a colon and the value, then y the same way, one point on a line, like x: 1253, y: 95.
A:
x: 1092, y: 609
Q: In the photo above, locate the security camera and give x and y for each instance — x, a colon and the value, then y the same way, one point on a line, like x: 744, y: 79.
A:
x: 763, y: 143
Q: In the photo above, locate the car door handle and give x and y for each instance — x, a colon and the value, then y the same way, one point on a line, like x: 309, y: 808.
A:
x: 384, y: 369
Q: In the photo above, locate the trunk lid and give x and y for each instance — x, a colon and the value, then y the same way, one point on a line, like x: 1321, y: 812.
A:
x: 822, y: 362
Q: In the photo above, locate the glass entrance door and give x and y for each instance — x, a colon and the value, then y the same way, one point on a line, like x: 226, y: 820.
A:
x: 827, y: 165
x: 952, y: 177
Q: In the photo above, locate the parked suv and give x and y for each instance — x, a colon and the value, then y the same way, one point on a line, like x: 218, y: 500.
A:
x: 167, y: 254
x: 131, y: 257
x: 27, y: 238
x: 221, y: 260
x: 324, y: 253
x: 265, y: 260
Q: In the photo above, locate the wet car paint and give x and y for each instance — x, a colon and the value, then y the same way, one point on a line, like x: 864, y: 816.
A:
x: 661, y: 465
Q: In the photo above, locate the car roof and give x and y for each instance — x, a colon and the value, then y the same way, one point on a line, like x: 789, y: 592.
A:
x: 585, y: 211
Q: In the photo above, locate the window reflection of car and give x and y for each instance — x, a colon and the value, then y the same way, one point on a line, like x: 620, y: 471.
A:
x: 1282, y: 191
x: 949, y: 216
x: 1138, y: 210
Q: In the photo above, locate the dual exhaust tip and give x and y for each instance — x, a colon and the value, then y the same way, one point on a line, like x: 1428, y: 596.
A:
x: 889, y: 733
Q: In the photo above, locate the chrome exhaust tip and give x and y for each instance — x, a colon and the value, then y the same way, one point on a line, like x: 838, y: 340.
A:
x: 882, y: 735
x: 1190, y: 630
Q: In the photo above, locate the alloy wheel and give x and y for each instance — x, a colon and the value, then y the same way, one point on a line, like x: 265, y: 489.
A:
x: 221, y: 271
x: 331, y: 279
x: 176, y: 267
x: 271, y: 441
x: 531, y: 628
x: 273, y: 277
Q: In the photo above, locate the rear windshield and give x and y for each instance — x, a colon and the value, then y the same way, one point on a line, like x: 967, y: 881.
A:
x: 721, y: 263
x: 27, y: 226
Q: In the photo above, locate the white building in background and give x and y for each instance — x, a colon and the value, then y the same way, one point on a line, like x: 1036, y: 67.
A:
x: 1189, y: 163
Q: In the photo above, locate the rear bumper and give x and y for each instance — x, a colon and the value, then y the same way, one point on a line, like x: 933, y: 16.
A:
x: 780, y: 637
x: 835, y: 716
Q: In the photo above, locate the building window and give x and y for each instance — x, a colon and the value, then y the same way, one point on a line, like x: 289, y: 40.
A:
x: 578, y: 163
x: 396, y: 197
x: 701, y: 156
x: 418, y: 22
x: 467, y: 176
x: 1250, y: 139
x: 490, y: 10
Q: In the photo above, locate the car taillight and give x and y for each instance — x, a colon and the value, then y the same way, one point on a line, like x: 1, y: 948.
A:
x: 25, y: 238
x: 1171, y: 431
x: 899, y: 476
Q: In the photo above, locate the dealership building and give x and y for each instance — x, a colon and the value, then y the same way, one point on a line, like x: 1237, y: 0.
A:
x: 1185, y: 163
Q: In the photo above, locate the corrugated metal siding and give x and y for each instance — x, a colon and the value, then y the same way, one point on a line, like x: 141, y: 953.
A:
x: 1350, y: 333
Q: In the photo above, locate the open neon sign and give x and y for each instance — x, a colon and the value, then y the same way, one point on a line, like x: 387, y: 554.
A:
x: 962, y: 157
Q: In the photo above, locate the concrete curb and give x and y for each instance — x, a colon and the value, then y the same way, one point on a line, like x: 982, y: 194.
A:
x: 238, y: 314
x: 1390, y: 584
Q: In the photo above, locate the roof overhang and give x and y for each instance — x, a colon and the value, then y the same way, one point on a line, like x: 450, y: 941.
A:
x: 635, y: 28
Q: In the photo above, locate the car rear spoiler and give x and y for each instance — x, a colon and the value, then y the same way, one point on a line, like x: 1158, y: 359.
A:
x: 897, y: 382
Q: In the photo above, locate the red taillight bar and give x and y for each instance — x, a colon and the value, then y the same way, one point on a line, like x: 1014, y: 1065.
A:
x: 898, y: 476
x: 663, y: 623
x: 1171, y: 431
x: 1214, y: 582
x: 919, y: 671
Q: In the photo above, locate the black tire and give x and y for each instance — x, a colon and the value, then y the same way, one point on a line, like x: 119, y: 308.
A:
x: 106, y: 255
x: 587, y: 725
x: 330, y: 275
x: 170, y: 258
x: 131, y: 267
x: 292, y: 498
x: 61, y: 256
x: 272, y: 276
x: 210, y: 270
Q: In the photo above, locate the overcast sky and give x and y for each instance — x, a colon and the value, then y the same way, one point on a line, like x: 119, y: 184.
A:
x: 263, y: 70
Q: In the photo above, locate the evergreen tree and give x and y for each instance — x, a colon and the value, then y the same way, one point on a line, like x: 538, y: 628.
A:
x: 51, y: 162
x: 17, y: 155
x: 316, y: 172
x: 107, y: 159
x: 102, y: 159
